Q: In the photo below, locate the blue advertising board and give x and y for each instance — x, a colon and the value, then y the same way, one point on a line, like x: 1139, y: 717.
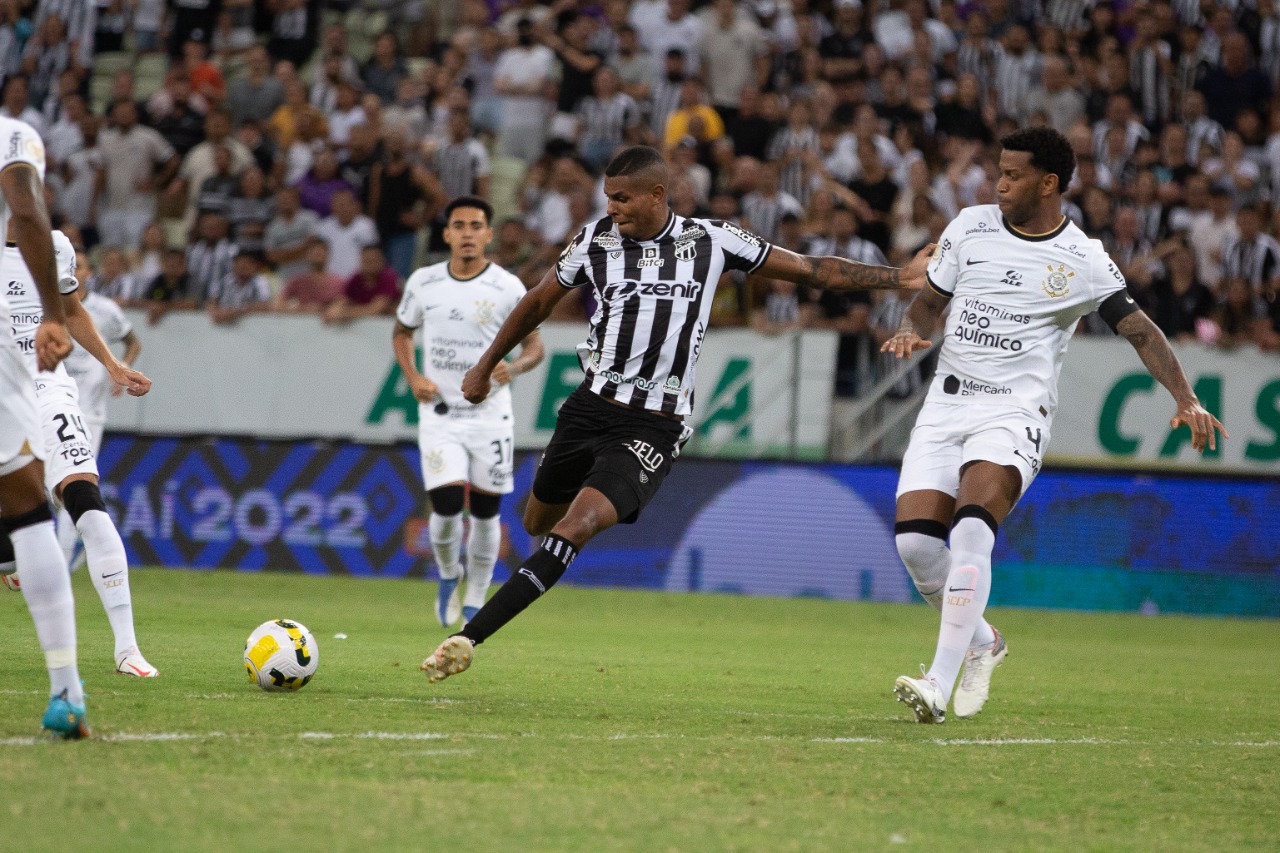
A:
x: 1079, y: 540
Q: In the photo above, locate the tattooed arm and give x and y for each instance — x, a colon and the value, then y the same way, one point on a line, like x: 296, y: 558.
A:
x: 833, y: 273
x: 1154, y: 350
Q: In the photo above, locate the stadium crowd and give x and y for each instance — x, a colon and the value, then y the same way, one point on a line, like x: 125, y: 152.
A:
x: 247, y: 155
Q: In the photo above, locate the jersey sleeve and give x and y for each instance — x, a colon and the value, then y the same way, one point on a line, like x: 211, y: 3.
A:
x: 742, y: 249
x: 944, y: 266
x: 65, y: 262
x: 571, y: 269
x: 409, y: 312
x: 1106, y: 280
x: 22, y: 146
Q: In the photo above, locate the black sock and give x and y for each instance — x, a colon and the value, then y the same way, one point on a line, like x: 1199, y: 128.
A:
x: 534, y: 577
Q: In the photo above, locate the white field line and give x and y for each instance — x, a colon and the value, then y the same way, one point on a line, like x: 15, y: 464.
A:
x: 169, y: 737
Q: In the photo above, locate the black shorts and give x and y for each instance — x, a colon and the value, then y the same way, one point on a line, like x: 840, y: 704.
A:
x: 621, y: 452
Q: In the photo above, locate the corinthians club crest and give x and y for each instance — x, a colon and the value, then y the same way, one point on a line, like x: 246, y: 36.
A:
x: 1058, y: 283
x: 484, y: 312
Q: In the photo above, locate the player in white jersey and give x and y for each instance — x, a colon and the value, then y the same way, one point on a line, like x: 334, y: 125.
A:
x: 71, y: 470
x: 654, y: 276
x: 1018, y: 276
x: 459, y: 305
x: 24, y: 509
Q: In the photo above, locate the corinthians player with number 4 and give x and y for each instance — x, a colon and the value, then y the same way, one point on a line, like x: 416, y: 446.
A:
x: 654, y: 276
x: 1018, y: 276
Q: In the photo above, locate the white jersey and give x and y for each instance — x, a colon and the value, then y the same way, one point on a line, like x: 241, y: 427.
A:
x: 25, y: 310
x: 459, y: 318
x: 92, y: 378
x: 1015, y: 301
x: 19, y: 143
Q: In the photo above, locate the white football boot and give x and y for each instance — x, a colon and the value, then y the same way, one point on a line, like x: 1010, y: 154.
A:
x: 451, y: 657
x: 975, y: 683
x: 131, y: 662
x: 923, y: 696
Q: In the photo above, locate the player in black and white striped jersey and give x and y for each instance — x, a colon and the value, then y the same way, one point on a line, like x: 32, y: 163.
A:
x: 654, y: 275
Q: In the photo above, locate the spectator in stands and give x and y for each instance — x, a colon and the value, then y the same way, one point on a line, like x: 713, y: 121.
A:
x: 249, y: 210
x: 64, y: 137
x: 346, y: 231
x: 242, y: 291
x: 289, y: 233
x: 200, y: 161
x: 766, y: 204
x: 637, y: 69
x: 694, y: 117
x: 1211, y: 231
x: 46, y: 55
x: 177, y: 114
x: 255, y: 94
x: 216, y: 190
x: 399, y: 193
x: 113, y: 278
x: 145, y: 262
x: 1178, y: 302
x: 1234, y: 171
x: 1236, y: 84
x: 548, y: 199
x: 77, y: 203
x: 135, y: 161
x: 209, y: 255
x: 607, y: 119
x: 206, y: 78
x: 15, y: 103
x: 322, y: 182
x: 313, y: 288
x: 284, y: 122
x: 146, y: 21
x: 385, y: 68
x: 408, y: 112
x: 1241, y: 317
x: 293, y: 31
x: 170, y: 290
x: 523, y: 76
x: 346, y: 113
x: 1254, y: 256
x: 372, y: 290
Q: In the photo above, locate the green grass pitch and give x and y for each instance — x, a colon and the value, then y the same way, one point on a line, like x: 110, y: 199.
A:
x: 609, y: 720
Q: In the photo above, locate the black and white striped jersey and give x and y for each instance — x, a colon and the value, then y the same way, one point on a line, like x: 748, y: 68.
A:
x: 653, y: 301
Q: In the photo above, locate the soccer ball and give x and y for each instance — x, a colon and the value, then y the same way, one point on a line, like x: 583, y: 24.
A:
x: 281, y: 655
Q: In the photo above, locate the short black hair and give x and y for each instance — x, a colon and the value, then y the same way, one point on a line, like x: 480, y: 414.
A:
x: 634, y: 160
x: 1050, y: 151
x: 470, y: 201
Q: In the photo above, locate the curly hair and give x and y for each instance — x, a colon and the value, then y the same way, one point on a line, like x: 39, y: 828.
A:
x: 1050, y: 151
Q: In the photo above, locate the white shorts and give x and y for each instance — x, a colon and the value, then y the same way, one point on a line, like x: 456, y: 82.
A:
x: 454, y: 449
x: 20, y: 440
x: 68, y: 443
x: 947, y: 436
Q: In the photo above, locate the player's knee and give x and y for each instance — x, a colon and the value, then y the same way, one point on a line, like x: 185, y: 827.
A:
x: 447, y: 500
x: 80, y: 496
x: 922, y: 545
x: 30, y: 518
x: 484, y: 505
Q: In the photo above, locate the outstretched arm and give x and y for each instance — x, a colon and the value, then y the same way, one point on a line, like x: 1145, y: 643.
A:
x: 1154, y: 350
x: 918, y: 324
x: 834, y: 273
x: 528, y: 314
x: 81, y: 327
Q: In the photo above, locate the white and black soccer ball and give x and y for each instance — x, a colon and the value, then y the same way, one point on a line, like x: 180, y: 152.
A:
x: 281, y: 655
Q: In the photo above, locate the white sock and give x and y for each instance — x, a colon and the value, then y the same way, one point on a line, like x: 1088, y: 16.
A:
x: 68, y: 536
x: 928, y: 561
x: 446, y: 540
x: 968, y: 587
x: 109, y: 569
x: 483, y: 544
x: 46, y: 585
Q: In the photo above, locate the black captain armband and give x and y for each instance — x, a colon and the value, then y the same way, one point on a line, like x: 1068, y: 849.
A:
x: 1116, y: 307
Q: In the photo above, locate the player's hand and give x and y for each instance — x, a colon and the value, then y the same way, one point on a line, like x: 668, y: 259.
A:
x: 502, y: 374
x: 424, y: 390
x: 905, y: 344
x: 1204, y: 426
x: 53, y: 344
x: 125, y: 378
x: 476, y: 385
x: 913, y: 274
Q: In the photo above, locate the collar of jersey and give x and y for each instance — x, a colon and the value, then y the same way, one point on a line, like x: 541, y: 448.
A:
x: 1035, y: 238
x: 666, y: 229
x: 449, y: 272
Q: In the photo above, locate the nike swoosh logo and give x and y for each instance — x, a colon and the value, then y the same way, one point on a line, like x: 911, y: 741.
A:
x: 113, y: 574
x: 953, y: 589
x: 971, y: 263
